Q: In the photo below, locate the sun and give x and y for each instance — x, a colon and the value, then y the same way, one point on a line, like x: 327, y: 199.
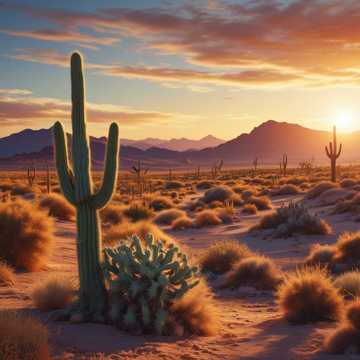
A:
x: 343, y: 121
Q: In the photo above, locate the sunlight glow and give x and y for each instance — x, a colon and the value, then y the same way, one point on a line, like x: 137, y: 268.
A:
x: 344, y: 121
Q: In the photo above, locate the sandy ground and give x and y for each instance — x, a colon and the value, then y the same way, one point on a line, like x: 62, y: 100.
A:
x: 251, y: 326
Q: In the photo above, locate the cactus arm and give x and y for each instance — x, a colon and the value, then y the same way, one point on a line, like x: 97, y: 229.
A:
x: 61, y: 159
x: 101, y: 198
x: 339, y: 152
x: 327, y: 152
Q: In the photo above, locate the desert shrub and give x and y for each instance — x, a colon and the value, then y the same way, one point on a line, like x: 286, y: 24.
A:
x: 182, y: 223
x: 320, y: 188
x: 112, y: 214
x: 219, y: 193
x: 207, y: 218
x: 166, y: 217
x: 159, y: 203
x: 54, y: 293
x: 295, y: 180
x: 309, y: 295
x: 349, y: 284
x: 134, y: 305
x: 204, y: 185
x: 22, y: 337
x: 250, y: 209
x: 322, y: 255
x: 348, y: 246
x: 23, y: 189
x: 6, y: 274
x: 294, y: 219
x: 288, y: 189
x: 348, y: 205
x: 26, y: 235
x: 261, y: 202
x: 173, y: 185
x: 197, y: 312
x: 226, y: 214
x: 142, y: 228
x: 57, y: 206
x: 257, y: 271
x: 348, y: 183
x: 138, y: 212
x: 222, y: 255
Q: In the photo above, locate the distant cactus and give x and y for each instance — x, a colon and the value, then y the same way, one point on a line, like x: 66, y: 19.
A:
x: 216, y: 168
x: 140, y: 173
x: 255, y: 165
x: 197, y: 172
x: 31, y: 174
x: 283, y: 165
x: 170, y: 176
x: 333, y: 154
x: 145, y: 279
x: 48, y: 179
x: 77, y: 187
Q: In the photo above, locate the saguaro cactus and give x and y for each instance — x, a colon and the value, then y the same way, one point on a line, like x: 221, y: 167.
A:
x: 283, y: 164
x: 333, y: 153
x: 31, y: 173
x: 77, y: 187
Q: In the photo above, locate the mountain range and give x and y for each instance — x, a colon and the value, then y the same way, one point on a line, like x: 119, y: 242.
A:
x: 268, y: 141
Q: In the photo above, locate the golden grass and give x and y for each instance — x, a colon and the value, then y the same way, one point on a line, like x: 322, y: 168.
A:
x: 7, y: 277
x: 22, y: 338
x: 57, y: 206
x: 309, y: 295
x: 26, y: 235
x: 56, y: 292
x: 182, y: 223
x: 207, y: 218
x: 167, y: 217
x: 250, y: 209
x: 112, y: 214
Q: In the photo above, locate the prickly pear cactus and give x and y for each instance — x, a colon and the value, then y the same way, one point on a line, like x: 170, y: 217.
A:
x: 144, y: 280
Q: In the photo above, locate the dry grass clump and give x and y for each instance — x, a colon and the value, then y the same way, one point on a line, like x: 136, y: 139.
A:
x: 112, y: 214
x: 348, y: 183
x: 257, y: 271
x: 54, y: 293
x: 167, y: 217
x: 349, y: 284
x: 182, y: 223
x: 23, y: 189
x: 294, y: 219
x: 348, y: 205
x: 207, y: 218
x: 204, y: 185
x: 346, y: 336
x: 173, y: 185
x: 7, y: 277
x: 261, y: 202
x: 57, y: 206
x: 226, y: 214
x: 22, y: 337
x: 126, y: 229
x: 309, y: 295
x: 322, y: 255
x: 138, y: 212
x: 196, y: 312
x: 221, y: 193
x: 159, y: 203
x: 318, y: 189
x: 222, y: 255
x: 249, y: 209
x: 288, y: 189
x: 348, y: 248
x: 26, y: 235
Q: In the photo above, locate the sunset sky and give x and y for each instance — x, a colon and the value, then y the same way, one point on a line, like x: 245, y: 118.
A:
x: 182, y: 68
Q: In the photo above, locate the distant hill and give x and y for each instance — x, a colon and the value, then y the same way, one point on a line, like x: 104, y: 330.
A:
x: 267, y: 141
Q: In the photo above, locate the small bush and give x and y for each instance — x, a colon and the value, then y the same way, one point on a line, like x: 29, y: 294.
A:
x: 294, y: 219
x: 219, y: 193
x: 207, y: 218
x: 250, y: 209
x: 26, y: 235
x: 320, y: 188
x: 204, y: 185
x: 348, y: 245
x: 349, y: 284
x: 339, y: 341
x: 348, y: 183
x: 309, y: 295
x: 138, y: 212
x: 22, y: 337
x: 348, y: 205
x: 222, y: 255
x: 57, y: 206
x: 288, y: 189
x: 54, y: 293
x: 159, y: 203
x: 6, y: 275
x: 256, y: 271
x: 112, y: 214
x: 261, y: 202
x: 166, y: 217
x: 322, y: 255
x: 173, y: 185
x: 182, y: 223
x: 225, y: 214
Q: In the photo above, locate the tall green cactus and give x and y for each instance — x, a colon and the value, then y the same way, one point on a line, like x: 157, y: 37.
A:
x: 77, y: 187
x: 333, y: 153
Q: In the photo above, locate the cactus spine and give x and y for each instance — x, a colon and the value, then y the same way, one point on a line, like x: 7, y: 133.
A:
x: 77, y: 187
x: 333, y: 153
